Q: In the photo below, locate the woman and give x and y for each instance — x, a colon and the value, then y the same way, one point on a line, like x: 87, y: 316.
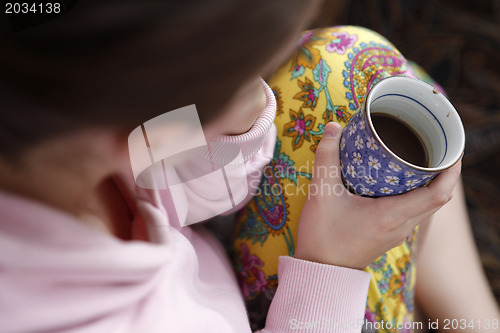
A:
x: 83, y: 248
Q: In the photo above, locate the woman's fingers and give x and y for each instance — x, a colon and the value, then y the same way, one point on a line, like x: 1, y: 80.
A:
x: 426, y: 198
x: 327, y: 161
x: 349, y: 230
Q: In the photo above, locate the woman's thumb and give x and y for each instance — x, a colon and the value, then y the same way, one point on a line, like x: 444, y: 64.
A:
x: 327, y: 160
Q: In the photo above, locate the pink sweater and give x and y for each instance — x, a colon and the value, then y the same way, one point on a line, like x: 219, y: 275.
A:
x: 60, y: 275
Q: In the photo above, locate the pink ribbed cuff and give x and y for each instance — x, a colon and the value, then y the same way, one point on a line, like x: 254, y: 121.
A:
x: 251, y: 141
x: 317, y: 298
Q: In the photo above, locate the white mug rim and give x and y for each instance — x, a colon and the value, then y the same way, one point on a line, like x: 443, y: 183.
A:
x: 392, y: 154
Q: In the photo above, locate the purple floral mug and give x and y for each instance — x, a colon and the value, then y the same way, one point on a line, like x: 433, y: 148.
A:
x: 404, y: 134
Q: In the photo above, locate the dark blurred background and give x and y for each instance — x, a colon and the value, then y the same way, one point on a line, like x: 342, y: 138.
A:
x: 458, y: 43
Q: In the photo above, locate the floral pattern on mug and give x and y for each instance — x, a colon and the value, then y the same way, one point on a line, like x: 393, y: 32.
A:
x: 370, y: 169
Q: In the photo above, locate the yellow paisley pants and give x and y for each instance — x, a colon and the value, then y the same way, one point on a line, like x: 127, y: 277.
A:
x: 326, y: 79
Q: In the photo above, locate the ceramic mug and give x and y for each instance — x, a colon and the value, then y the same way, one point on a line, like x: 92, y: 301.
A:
x: 370, y: 167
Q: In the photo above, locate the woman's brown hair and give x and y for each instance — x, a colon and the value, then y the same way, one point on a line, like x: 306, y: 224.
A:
x: 123, y: 62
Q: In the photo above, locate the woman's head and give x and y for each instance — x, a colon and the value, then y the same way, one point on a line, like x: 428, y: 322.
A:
x: 120, y: 63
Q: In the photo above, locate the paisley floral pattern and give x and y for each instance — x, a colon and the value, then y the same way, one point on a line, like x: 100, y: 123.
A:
x: 267, y: 214
x: 279, y: 102
x: 368, y: 64
x: 326, y: 79
x: 252, y: 278
x: 299, y: 128
x: 306, y: 55
x: 308, y: 93
x: 342, y: 42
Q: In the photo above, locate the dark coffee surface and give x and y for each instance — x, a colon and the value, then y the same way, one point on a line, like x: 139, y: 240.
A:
x: 400, y: 139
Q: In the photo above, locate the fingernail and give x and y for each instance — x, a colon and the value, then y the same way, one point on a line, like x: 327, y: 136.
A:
x: 332, y: 129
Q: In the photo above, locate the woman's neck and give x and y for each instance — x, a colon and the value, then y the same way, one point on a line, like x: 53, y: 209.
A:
x: 70, y: 174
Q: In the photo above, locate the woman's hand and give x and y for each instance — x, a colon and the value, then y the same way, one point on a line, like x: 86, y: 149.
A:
x: 339, y: 228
